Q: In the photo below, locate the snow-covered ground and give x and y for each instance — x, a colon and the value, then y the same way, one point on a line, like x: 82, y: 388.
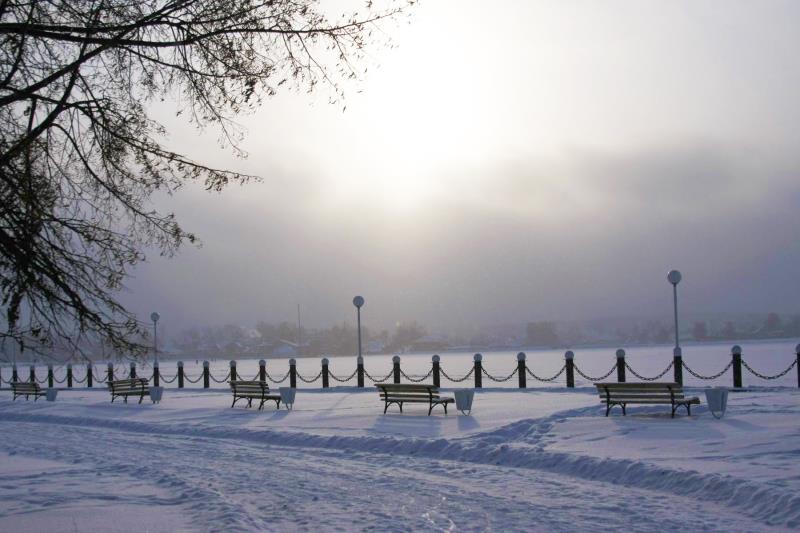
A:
x: 538, y: 460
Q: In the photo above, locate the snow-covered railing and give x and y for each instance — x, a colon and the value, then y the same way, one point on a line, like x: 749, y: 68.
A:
x: 88, y: 376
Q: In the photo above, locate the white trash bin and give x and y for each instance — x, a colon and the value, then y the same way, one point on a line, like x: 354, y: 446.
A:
x: 51, y: 395
x: 287, y: 397
x: 464, y: 399
x: 717, y: 400
x: 156, y: 393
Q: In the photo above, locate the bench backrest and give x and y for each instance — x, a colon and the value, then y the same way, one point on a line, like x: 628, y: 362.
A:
x: 407, y: 390
x: 637, y: 391
x: 25, y: 386
x: 241, y: 386
x: 128, y: 385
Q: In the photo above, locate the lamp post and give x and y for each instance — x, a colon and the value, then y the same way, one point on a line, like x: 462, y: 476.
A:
x: 154, y: 317
x: 358, y: 301
x: 674, y: 277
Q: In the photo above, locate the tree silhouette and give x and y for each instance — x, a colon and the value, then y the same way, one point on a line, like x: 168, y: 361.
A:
x: 80, y: 156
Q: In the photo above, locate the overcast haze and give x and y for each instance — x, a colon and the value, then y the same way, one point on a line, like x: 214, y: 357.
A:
x: 509, y: 162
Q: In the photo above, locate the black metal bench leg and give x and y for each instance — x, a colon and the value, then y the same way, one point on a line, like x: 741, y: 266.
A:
x: 401, y: 406
x: 445, y: 407
x: 278, y: 405
x: 430, y: 409
x: 624, y: 413
x: 608, y: 408
x: 140, y: 399
x: 385, y: 407
x: 234, y: 402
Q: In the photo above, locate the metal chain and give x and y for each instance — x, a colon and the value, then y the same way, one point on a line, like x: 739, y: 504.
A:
x: 578, y: 370
x: 378, y: 380
x: 345, y: 380
x: 59, y: 380
x: 715, y: 376
x: 649, y: 379
x: 97, y: 377
x: 309, y: 380
x: 165, y: 380
x: 764, y: 376
x: 277, y: 380
x: 42, y: 381
x: 416, y: 380
x: 76, y: 380
x: 195, y: 381
x: 534, y: 376
x: 500, y: 380
x: 459, y: 380
x: 223, y: 380
x: 257, y: 377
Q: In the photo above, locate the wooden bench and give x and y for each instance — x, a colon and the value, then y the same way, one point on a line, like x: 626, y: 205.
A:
x: 129, y: 387
x: 623, y: 394
x: 411, y: 393
x: 27, y: 389
x: 253, y: 390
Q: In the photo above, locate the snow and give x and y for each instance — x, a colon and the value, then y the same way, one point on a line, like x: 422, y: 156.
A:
x: 542, y: 460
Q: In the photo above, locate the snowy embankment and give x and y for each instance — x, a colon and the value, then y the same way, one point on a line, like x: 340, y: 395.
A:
x: 742, y: 470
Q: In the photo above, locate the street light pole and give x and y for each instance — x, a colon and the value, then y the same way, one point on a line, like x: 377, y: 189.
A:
x: 358, y: 301
x: 154, y: 317
x: 674, y: 277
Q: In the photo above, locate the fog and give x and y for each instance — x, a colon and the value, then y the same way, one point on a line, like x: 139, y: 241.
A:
x: 544, y: 161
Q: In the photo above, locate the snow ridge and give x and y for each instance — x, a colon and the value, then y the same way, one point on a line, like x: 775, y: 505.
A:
x: 516, y: 445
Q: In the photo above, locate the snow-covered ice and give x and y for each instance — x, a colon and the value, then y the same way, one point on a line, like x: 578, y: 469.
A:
x: 542, y: 460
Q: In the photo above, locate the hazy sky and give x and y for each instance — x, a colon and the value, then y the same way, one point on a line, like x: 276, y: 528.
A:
x: 508, y: 162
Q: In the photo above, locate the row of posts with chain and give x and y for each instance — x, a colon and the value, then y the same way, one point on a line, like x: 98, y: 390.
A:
x: 436, y: 373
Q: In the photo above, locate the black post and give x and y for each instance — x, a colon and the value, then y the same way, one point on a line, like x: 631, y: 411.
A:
x: 360, y: 370
x: 69, y: 375
x: 396, y: 368
x: 797, y: 352
x: 436, y: 371
x: 736, y: 352
x: 110, y: 372
x: 293, y: 373
x: 234, y: 374
x: 156, y: 374
x: 50, y: 376
x: 89, y: 376
x: 620, y: 366
x: 569, y: 357
x: 1, y: 378
x: 206, y: 379
x: 133, y: 371
x: 180, y: 374
x: 478, y: 371
x: 677, y: 368
x: 521, y: 371
x: 324, y: 373
x: 32, y: 377
x: 262, y: 370
x: 14, y: 376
